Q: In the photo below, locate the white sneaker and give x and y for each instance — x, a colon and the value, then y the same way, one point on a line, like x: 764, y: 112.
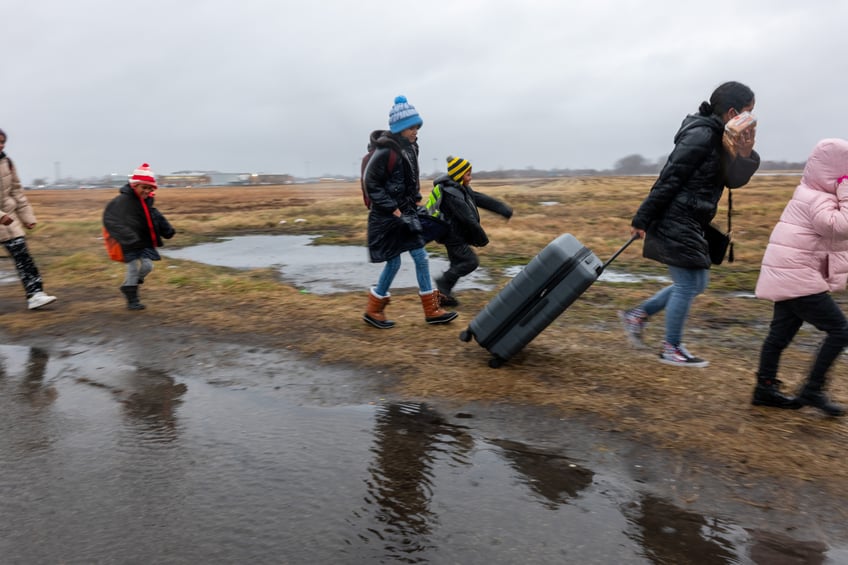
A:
x: 39, y: 299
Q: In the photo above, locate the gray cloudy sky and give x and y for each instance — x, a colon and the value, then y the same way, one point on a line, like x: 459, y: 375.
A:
x: 100, y: 86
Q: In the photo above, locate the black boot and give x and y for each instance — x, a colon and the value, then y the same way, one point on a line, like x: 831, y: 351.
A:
x: 816, y: 397
x: 445, y: 285
x: 767, y: 393
x: 131, y: 292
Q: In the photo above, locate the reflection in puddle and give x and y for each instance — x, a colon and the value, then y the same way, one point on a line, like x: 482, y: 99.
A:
x: 551, y: 475
x: 151, y: 399
x: 668, y: 534
x: 126, y: 459
x: 31, y: 364
x: 409, y: 439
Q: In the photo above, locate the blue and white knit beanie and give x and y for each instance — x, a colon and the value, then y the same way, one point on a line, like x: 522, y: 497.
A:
x: 403, y: 115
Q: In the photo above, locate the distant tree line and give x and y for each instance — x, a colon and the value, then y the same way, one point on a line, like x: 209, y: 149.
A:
x: 629, y: 165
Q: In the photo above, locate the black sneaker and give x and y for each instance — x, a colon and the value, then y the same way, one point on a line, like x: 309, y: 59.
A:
x: 447, y: 300
x: 818, y: 399
x: 767, y: 393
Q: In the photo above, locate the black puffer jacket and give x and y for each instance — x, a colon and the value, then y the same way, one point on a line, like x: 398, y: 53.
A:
x: 459, y: 209
x: 125, y: 220
x: 684, y: 199
x: 398, y: 189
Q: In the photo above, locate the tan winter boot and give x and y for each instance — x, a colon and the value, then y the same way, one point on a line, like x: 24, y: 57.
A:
x: 433, y: 313
x: 374, y: 311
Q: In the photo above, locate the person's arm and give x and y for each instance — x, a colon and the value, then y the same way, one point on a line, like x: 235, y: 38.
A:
x: 116, y: 225
x: 463, y: 218
x: 23, y: 209
x: 739, y: 171
x: 690, y: 150
x: 492, y: 204
x: 829, y: 217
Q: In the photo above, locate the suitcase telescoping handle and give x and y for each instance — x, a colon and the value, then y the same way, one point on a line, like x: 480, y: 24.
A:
x: 633, y: 238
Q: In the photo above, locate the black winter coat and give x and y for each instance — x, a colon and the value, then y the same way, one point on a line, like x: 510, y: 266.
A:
x: 684, y: 199
x: 398, y: 189
x: 125, y: 220
x: 459, y: 209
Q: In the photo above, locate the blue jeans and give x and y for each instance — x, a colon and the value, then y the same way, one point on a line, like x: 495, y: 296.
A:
x: 422, y: 273
x: 677, y: 299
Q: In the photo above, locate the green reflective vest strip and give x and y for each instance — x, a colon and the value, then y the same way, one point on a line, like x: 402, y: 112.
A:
x: 434, y: 202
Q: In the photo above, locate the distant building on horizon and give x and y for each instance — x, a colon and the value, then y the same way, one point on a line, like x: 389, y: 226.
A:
x: 212, y: 178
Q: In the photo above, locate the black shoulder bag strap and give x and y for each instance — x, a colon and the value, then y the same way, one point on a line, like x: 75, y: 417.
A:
x: 729, y: 225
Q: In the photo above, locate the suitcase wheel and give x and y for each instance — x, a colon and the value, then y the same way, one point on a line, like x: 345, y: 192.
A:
x: 496, y: 362
x: 465, y: 335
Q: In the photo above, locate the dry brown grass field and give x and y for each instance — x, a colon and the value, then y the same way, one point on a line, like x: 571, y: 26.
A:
x: 581, y: 365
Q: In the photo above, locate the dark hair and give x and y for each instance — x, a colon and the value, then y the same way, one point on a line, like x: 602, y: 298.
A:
x: 728, y: 95
x: 3, y: 133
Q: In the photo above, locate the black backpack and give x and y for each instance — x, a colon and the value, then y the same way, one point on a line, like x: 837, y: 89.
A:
x: 366, y: 160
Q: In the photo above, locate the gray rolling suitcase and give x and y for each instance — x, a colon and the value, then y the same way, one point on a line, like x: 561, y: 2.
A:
x: 542, y: 291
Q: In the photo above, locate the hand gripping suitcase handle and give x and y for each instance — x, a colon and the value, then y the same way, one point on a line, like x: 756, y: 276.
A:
x: 620, y: 251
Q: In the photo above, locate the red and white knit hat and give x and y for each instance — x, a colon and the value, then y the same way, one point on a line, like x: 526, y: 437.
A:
x: 143, y: 175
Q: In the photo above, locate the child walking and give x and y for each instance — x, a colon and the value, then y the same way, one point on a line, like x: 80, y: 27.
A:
x: 805, y: 260
x: 458, y: 208
x: 139, y: 227
x: 393, y: 225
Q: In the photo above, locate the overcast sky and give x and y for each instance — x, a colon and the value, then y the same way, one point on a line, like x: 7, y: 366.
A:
x: 280, y: 86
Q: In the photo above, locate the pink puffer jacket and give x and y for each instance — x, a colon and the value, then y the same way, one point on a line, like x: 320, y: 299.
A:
x: 807, y: 252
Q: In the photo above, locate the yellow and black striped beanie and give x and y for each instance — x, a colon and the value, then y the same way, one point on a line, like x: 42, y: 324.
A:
x: 457, y: 167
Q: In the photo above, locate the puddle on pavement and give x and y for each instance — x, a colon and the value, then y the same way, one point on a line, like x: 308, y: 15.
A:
x: 326, y: 269
x: 210, y: 453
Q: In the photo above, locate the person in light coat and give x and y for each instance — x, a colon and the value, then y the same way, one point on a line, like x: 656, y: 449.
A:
x: 806, y: 259
x: 16, y: 214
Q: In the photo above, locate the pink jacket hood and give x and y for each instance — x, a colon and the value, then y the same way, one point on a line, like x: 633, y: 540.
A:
x: 807, y: 252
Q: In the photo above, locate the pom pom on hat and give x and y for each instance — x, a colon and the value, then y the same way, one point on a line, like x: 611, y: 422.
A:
x: 143, y: 175
x: 403, y: 115
x: 457, y: 167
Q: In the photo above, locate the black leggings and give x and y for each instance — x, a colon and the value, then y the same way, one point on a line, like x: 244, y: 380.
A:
x: 27, y: 271
x: 463, y: 261
x: 819, y: 310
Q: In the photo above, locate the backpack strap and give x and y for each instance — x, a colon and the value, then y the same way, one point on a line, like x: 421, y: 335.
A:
x: 392, y: 160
